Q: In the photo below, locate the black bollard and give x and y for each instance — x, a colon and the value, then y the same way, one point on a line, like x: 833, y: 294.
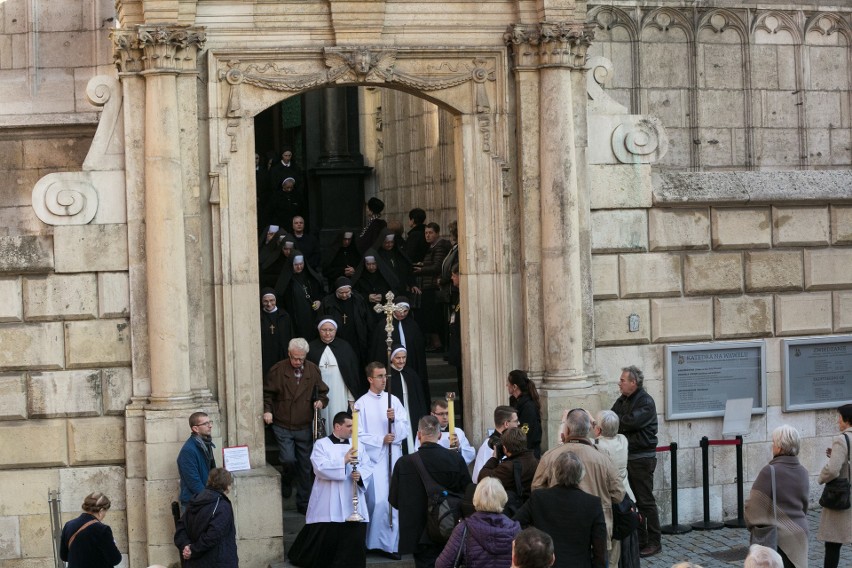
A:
x: 706, y: 525
x: 739, y: 522
x: 674, y: 528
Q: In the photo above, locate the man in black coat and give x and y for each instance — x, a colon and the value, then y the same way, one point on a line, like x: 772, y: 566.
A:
x: 408, y: 494
x: 637, y: 414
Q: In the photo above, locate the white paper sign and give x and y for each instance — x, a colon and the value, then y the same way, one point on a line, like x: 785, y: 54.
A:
x: 236, y: 458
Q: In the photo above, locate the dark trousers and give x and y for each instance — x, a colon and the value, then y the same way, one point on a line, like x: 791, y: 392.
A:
x: 832, y: 555
x: 640, y: 475
x: 426, y: 555
x: 294, y: 451
x: 787, y: 562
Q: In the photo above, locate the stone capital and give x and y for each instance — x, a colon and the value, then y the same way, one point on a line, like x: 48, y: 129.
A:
x: 159, y: 48
x: 549, y: 44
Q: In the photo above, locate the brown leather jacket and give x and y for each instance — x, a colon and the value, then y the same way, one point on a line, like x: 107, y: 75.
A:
x: 290, y: 403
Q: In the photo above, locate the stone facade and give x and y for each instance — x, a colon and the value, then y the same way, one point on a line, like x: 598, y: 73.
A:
x: 690, y: 167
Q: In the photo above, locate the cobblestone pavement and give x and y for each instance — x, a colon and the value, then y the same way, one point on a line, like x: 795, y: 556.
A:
x: 699, y: 547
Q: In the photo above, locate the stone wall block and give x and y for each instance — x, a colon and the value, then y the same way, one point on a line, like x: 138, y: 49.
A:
x: 605, y: 276
x: 256, y: 488
x: 32, y: 346
x: 26, y: 254
x: 651, y: 275
x: 619, y: 186
x: 161, y: 528
x: 610, y: 360
x: 64, y: 394
x: 136, y: 511
x: 611, y: 319
x: 828, y: 269
x: 10, y: 538
x: 160, y: 460
x: 738, y: 228
x: 117, y: 389
x: 742, y: 316
x: 135, y: 459
x: 681, y: 319
x: 800, y: 226
x: 798, y: 314
x: 713, y: 273
x: 11, y: 308
x: 77, y: 482
x: 97, y: 343
x: 841, y: 225
x: 113, y: 295
x: 36, y: 540
x: 60, y: 296
x: 842, y: 305
x: 619, y: 230
x: 23, y: 491
x: 773, y: 271
x: 34, y: 443
x: 94, y: 441
x: 90, y: 248
x: 679, y: 229
x: 13, y: 397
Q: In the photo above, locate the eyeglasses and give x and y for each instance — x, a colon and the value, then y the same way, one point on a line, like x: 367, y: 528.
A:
x: 208, y: 423
x: 441, y: 413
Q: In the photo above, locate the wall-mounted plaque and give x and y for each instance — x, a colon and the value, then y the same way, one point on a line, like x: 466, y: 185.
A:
x: 701, y: 377
x: 817, y: 372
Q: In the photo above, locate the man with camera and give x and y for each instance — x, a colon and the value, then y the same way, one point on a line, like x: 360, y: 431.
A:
x: 504, y: 417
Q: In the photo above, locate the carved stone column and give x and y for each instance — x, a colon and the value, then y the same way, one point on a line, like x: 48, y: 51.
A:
x: 167, y: 51
x: 556, y: 51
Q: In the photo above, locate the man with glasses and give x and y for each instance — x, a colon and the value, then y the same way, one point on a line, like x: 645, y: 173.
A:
x: 292, y: 389
x: 195, y: 459
x: 459, y: 442
x: 504, y: 417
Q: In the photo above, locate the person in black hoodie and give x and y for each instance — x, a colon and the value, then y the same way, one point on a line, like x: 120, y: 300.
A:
x: 86, y: 541
x: 523, y: 397
x: 206, y: 535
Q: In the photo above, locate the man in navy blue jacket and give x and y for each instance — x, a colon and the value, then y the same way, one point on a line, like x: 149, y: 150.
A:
x: 195, y: 459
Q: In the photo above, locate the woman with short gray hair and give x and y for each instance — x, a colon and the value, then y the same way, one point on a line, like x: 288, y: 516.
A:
x: 613, y: 444
x: 791, y: 492
x: 572, y: 514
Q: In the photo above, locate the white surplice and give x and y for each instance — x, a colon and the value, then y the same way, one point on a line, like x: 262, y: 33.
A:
x: 338, y: 394
x: 467, y: 451
x: 331, y: 496
x: 482, y: 456
x: 372, y: 428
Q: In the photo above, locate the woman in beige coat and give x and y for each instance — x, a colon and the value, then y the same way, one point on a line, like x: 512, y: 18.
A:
x: 613, y: 444
x: 835, y: 527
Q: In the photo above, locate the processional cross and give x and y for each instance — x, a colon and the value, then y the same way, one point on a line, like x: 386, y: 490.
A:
x: 388, y: 308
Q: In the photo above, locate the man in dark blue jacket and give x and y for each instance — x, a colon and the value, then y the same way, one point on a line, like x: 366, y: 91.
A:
x: 195, y: 459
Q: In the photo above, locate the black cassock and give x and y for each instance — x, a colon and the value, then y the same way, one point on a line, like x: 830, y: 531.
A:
x: 415, y: 344
x: 347, y: 361
x: 417, y: 406
x: 340, y: 259
x: 297, y: 292
x: 275, y: 334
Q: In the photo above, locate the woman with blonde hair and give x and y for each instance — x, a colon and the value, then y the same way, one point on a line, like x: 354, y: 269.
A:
x: 86, y: 541
x: 835, y: 526
x: 483, y: 539
x: 779, y: 498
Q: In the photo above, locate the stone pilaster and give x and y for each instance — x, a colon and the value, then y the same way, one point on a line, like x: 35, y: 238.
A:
x: 554, y: 55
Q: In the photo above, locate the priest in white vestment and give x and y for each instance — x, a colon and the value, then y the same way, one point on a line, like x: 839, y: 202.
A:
x: 328, y: 540
x: 375, y: 441
x: 460, y: 443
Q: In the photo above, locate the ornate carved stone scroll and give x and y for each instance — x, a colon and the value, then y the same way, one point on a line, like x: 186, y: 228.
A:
x: 74, y: 198
x: 549, y: 44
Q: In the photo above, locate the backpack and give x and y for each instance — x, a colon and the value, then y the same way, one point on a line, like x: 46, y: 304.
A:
x: 443, y: 507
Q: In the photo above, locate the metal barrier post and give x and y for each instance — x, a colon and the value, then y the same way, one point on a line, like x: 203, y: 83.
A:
x: 53, y: 504
x: 706, y: 525
x: 674, y: 528
x: 739, y: 522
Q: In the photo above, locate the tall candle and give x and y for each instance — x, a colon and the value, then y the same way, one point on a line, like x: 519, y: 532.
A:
x: 451, y: 397
x: 355, y: 429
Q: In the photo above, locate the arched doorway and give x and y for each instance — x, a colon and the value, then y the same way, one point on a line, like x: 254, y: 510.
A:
x: 472, y: 88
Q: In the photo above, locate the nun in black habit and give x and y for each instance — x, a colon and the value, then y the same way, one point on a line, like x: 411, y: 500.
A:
x: 371, y: 283
x: 393, y: 263
x: 300, y: 288
x: 414, y: 394
x: 344, y: 257
x: 347, y: 364
x: 275, y: 330
x: 411, y: 338
x: 349, y: 310
x: 274, y: 257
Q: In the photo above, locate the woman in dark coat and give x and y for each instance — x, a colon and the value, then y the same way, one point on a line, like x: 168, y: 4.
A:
x: 523, y: 397
x: 86, y: 541
x: 206, y: 535
x: 487, y: 543
x: 573, y: 516
x: 792, y: 487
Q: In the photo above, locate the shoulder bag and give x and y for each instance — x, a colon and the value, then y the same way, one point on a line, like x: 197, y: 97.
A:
x: 767, y: 535
x: 443, y: 507
x: 835, y: 495
x: 461, y: 561
x: 74, y: 536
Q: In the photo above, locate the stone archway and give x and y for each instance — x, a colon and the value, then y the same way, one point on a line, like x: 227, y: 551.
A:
x: 472, y: 86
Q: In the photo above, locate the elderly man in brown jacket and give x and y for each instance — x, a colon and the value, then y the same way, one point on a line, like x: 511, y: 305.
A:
x: 601, y: 478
